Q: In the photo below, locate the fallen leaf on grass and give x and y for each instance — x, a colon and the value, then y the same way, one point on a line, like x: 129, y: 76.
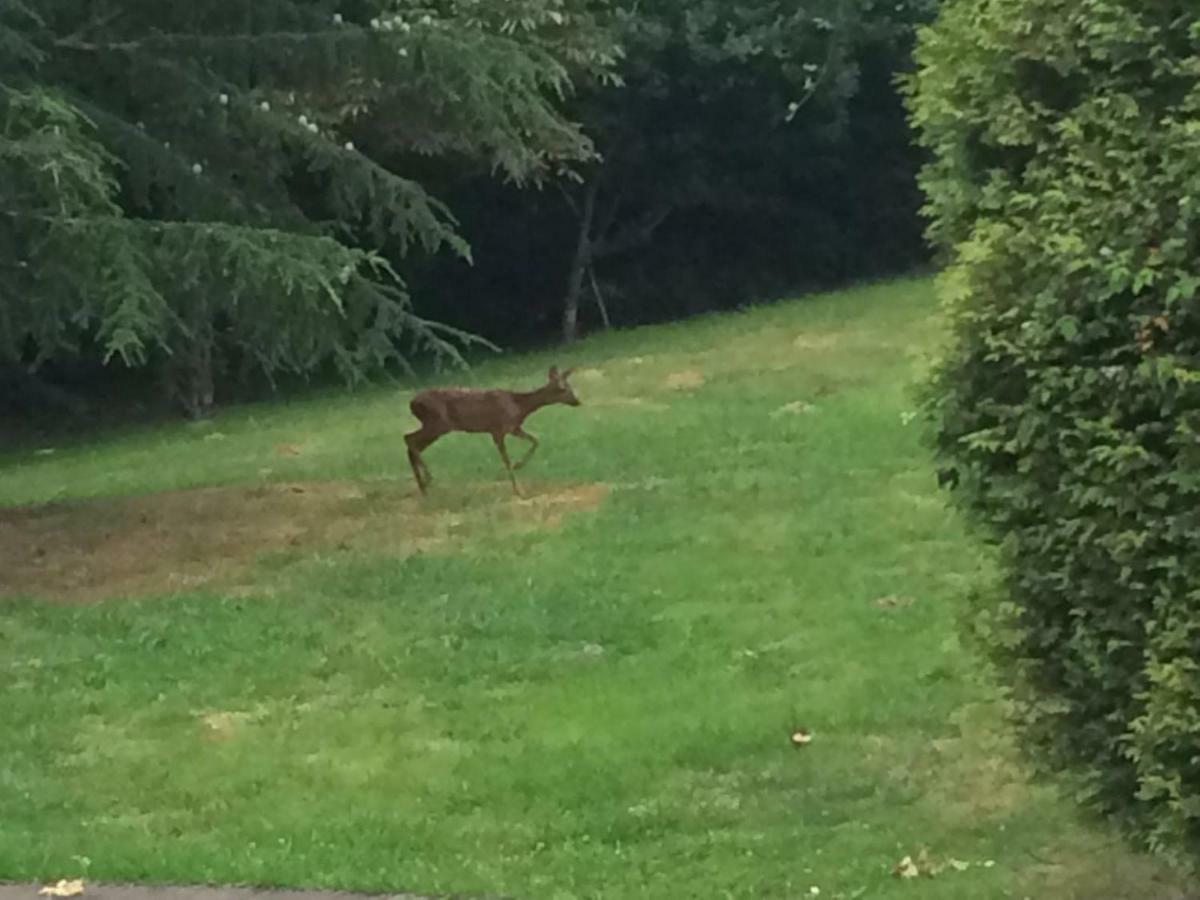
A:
x: 288, y: 450
x: 801, y: 737
x: 926, y: 865
x: 63, y: 888
x: 906, y: 868
x: 893, y: 602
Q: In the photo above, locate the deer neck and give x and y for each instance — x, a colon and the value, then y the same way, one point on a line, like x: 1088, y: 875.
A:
x: 531, y: 401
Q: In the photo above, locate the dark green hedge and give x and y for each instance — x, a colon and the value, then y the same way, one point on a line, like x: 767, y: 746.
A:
x: 1064, y: 185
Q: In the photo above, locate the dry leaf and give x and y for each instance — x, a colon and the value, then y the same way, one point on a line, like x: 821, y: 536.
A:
x: 801, y: 738
x: 906, y: 868
x: 63, y: 888
x: 927, y: 866
x: 893, y: 602
x: 958, y: 865
x: 288, y: 450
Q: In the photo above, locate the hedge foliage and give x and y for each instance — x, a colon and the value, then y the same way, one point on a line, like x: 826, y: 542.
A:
x: 1064, y: 185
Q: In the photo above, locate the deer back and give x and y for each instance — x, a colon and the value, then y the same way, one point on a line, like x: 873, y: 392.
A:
x: 469, y: 410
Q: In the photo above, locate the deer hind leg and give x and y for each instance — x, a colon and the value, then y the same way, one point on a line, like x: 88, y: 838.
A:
x: 417, y: 441
x: 499, y: 439
x: 533, y: 445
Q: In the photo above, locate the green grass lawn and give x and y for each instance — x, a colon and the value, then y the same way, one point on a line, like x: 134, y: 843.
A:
x: 270, y: 662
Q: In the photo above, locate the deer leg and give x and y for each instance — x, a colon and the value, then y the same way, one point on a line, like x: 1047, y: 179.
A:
x: 499, y: 439
x: 533, y: 445
x: 418, y: 441
x: 414, y: 460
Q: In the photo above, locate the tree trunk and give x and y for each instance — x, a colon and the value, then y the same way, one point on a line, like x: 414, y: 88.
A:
x: 579, y: 264
x: 189, y: 373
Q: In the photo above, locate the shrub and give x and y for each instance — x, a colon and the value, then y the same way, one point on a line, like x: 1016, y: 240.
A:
x: 1064, y: 185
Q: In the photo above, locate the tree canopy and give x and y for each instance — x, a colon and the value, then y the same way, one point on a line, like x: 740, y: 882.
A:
x: 196, y: 185
x: 724, y: 108
x: 221, y: 193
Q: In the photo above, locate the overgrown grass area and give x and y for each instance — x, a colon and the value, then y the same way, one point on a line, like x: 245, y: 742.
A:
x: 247, y: 651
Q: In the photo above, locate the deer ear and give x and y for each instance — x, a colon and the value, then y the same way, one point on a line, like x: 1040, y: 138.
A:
x: 554, y: 376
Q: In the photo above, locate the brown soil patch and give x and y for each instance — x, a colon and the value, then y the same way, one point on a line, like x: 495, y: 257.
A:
x: 550, y: 509
x: 687, y: 380
x: 161, y: 543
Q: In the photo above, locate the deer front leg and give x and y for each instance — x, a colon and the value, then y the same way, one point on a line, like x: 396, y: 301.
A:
x: 533, y: 445
x: 418, y: 441
x: 499, y: 439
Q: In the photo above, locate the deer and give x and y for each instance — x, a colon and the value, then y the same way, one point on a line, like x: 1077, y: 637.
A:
x: 499, y: 413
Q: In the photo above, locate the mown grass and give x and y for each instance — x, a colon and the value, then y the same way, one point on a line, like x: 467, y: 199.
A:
x: 586, y: 695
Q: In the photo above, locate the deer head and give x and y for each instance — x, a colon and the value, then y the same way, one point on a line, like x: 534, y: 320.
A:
x: 561, y: 391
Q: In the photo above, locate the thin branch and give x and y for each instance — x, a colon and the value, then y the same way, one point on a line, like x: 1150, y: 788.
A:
x: 76, y: 37
x: 599, y: 298
x: 606, y: 222
x: 566, y: 195
x: 819, y: 81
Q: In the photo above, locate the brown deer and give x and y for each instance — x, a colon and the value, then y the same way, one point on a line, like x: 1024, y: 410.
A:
x: 498, y: 413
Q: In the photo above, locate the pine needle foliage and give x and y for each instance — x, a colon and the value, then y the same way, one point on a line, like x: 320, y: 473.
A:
x: 180, y: 187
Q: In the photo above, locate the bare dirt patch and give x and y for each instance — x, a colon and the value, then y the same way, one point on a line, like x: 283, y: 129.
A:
x: 162, y: 543
x: 687, y: 380
x: 550, y: 509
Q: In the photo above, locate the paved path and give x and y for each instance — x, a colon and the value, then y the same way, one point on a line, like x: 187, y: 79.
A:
x: 142, y: 892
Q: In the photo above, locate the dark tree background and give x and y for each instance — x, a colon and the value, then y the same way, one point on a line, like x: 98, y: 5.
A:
x: 206, y: 201
x: 749, y: 154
